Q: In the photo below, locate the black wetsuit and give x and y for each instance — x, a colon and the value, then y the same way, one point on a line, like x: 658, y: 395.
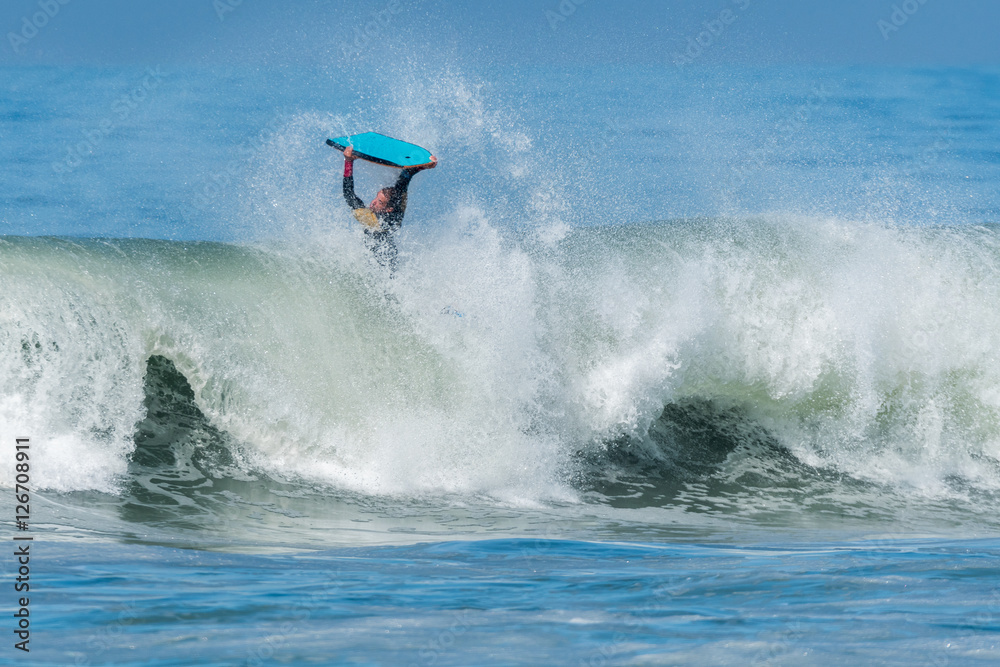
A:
x: 381, y: 241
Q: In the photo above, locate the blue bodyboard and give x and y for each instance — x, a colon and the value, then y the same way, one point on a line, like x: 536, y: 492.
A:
x: 381, y: 149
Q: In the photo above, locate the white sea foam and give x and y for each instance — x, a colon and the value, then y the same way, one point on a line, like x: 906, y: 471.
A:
x: 485, y: 365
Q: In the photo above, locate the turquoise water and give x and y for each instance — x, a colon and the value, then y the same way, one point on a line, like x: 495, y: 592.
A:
x: 723, y: 389
x: 525, y: 602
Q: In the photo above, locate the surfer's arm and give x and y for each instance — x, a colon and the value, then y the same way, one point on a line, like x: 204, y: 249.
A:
x: 397, y: 200
x: 352, y: 199
x: 403, y: 181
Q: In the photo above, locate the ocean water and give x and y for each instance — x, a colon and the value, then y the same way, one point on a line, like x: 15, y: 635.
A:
x: 680, y: 366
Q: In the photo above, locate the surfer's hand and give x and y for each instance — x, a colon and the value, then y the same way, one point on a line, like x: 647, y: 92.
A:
x: 349, y: 153
x: 434, y: 163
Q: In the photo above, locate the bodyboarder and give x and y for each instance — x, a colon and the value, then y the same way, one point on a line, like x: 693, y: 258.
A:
x: 384, y: 216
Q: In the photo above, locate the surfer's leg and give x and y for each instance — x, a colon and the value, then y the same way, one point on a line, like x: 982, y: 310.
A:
x: 383, y: 246
x: 389, y: 253
x: 386, y: 253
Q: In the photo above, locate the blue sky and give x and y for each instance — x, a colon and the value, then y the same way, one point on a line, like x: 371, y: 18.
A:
x: 517, y: 32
